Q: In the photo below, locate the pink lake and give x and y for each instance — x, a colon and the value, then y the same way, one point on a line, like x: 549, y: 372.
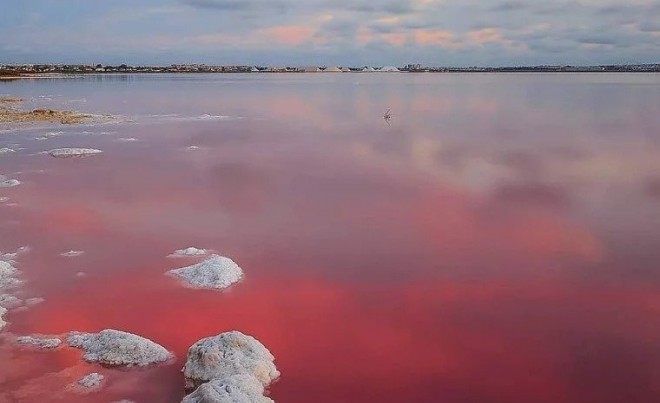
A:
x: 497, y: 241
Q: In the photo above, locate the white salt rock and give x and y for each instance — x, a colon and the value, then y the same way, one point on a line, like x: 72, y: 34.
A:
x: 193, y: 147
x: 117, y: 348
x: 73, y: 152
x: 72, y: 253
x: 10, y: 301
x: 4, y: 199
x: 216, y: 272
x: 8, y: 183
x: 192, y: 251
x: 3, y: 311
x: 127, y: 139
x: 226, y: 355
x: 234, y: 389
x: 8, y: 275
x: 92, y: 381
x: 39, y: 342
x: 6, y: 150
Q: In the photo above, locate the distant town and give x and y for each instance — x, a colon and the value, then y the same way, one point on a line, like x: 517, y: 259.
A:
x: 18, y: 70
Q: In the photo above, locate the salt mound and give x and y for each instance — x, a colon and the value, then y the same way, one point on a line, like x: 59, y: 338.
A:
x: 192, y: 251
x: 117, y: 348
x: 73, y: 152
x: 8, y: 275
x: 3, y: 311
x: 227, y: 355
x: 234, y: 389
x: 91, y: 381
x: 216, y: 272
x: 8, y: 183
x: 39, y: 342
x: 10, y: 301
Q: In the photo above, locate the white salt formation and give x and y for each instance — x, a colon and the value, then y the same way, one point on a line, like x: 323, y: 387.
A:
x: 4, y: 199
x: 8, y: 183
x: 10, y: 301
x: 73, y: 152
x: 3, y: 311
x: 91, y: 381
x: 216, y: 272
x: 39, y: 342
x: 192, y: 251
x: 8, y: 281
x: 8, y: 276
x: 234, y: 389
x: 126, y: 139
x: 231, y: 357
x: 6, y: 150
x: 72, y: 253
x: 117, y: 348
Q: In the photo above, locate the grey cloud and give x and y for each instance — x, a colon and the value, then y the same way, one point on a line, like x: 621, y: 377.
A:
x: 510, y: 6
x: 651, y: 27
x: 238, y: 5
x: 595, y: 40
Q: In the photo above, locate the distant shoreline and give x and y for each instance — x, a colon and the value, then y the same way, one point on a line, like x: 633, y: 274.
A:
x: 32, y: 71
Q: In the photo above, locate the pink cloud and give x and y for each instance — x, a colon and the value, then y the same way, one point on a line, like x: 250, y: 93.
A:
x: 288, y: 34
x: 445, y: 39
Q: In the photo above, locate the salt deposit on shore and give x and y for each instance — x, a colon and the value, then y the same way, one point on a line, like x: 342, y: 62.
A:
x: 43, y: 343
x: 229, y: 367
x: 192, y: 251
x: 73, y: 152
x: 117, y: 348
x: 216, y: 272
x: 42, y: 115
x: 6, y: 150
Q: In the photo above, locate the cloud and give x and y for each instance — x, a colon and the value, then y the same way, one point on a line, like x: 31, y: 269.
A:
x: 437, y: 32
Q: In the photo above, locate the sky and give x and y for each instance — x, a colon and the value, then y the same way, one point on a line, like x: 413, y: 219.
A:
x: 331, y: 32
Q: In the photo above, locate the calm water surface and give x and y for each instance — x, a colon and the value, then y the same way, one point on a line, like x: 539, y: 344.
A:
x: 498, y: 241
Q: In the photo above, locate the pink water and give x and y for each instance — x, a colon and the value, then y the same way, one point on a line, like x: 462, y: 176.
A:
x: 498, y: 241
